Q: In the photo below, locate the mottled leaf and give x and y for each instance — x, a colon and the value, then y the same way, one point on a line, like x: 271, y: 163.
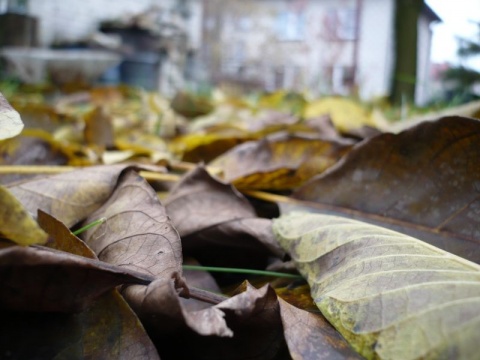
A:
x: 279, y: 161
x: 424, y: 182
x: 390, y: 295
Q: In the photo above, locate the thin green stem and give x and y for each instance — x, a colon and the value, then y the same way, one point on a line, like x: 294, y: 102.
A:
x: 240, y: 271
x: 89, y: 226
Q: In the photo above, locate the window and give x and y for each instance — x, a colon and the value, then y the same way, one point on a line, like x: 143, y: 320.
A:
x: 290, y: 26
x: 341, y: 24
x: 340, y: 79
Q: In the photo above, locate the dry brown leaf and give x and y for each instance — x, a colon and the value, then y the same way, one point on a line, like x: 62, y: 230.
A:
x: 208, y: 213
x: 99, y: 128
x: 310, y: 336
x: 108, y: 328
x: 70, y: 196
x: 137, y: 233
x: 424, y: 182
x: 31, y: 280
x: 279, y: 162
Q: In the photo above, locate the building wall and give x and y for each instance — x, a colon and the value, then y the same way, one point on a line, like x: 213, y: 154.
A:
x: 376, y: 48
x: 423, y: 91
x: 62, y: 20
x: 74, y: 20
x: 278, y: 44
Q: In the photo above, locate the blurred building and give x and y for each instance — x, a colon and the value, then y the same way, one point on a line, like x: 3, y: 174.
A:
x: 325, y: 46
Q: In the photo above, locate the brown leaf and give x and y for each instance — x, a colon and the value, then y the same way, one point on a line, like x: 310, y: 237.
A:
x: 31, y: 280
x: 99, y: 128
x: 424, y: 182
x: 32, y: 147
x: 10, y: 123
x: 69, y: 196
x: 64, y: 239
x: 279, y: 161
x: 208, y: 213
x: 108, y: 328
x: 137, y: 233
x: 161, y: 311
x: 310, y: 336
x: 200, y: 280
x: 16, y: 223
x: 253, y: 316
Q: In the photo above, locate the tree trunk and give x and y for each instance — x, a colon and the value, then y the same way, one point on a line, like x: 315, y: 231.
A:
x: 407, y: 13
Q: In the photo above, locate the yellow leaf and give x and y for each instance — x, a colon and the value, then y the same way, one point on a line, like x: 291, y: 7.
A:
x: 16, y: 224
x: 346, y: 114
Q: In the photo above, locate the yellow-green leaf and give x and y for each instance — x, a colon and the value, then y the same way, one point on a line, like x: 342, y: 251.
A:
x: 16, y: 224
x: 390, y: 295
x: 10, y: 122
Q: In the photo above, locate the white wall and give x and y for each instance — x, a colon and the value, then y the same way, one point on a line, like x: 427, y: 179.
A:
x: 422, y: 87
x: 376, y: 48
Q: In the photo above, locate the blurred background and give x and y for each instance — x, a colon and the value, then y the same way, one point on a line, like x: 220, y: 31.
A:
x: 402, y: 50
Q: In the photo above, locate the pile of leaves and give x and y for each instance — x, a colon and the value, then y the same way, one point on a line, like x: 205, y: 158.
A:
x: 367, y: 240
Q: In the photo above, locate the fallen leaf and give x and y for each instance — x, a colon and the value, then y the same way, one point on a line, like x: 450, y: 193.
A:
x: 32, y: 147
x: 210, y: 214
x: 424, y: 182
x: 206, y: 146
x: 190, y: 105
x: 253, y: 315
x: 108, y: 328
x: 390, y: 295
x: 346, y: 114
x: 10, y: 122
x: 137, y: 233
x: 99, y: 128
x: 16, y: 223
x: 310, y: 336
x: 162, y: 312
x: 70, y: 196
x: 279, y: 161
x: 31, y: 280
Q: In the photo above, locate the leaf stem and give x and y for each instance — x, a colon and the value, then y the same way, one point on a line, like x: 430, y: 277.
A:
x: 89, y: 226
x: 240, y: 271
